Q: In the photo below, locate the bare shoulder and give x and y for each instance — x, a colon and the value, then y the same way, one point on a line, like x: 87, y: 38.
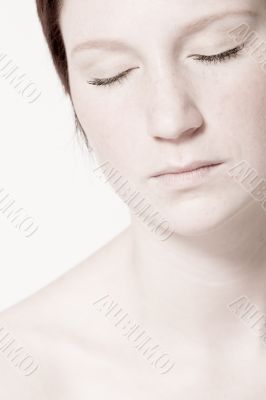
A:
x: 45, y: 340
x: 72, y: 290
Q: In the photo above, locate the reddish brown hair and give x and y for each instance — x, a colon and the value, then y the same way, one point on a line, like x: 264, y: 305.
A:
x: 49, y: 13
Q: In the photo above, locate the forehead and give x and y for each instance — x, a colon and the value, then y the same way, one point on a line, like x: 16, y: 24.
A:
x: 138, y: 19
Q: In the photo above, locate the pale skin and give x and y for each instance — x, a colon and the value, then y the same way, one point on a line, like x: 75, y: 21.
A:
x: 171, y: 109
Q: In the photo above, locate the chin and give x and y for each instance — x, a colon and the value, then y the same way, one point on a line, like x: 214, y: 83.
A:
x: 201, y: 216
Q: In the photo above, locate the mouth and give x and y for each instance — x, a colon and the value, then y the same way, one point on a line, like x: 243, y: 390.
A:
x: 187, y: 176
x: 194, y: 166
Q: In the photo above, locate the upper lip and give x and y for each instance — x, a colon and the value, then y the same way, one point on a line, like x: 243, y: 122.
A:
x: 187, y: 168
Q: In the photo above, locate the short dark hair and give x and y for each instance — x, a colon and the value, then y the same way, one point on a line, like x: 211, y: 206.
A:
x: 49, y: 13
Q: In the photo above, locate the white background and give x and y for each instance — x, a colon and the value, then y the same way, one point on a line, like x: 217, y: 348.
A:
x: 45, y: 169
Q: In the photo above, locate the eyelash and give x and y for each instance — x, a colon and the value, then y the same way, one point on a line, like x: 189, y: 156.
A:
x: 111, y: 81
x: 213, y: 59
x: 227, y: 55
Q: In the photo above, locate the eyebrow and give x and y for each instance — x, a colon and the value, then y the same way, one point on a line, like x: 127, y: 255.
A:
x: 118, y: 45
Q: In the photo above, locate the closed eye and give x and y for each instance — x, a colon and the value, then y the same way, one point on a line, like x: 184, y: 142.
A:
x: 219, y: 57
x: 212, y: 59
x: 110, y: 81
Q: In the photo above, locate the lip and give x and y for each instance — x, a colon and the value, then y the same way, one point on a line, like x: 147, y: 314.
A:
x: 192, y: 175
x: 193, y: 166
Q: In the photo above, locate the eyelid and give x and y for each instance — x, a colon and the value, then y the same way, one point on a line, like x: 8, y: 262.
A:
x: 203, y: 58
x: 112, y: 79
x: 229, y: 52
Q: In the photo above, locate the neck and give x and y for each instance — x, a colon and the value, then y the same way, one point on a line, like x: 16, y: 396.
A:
x: 187, y: 283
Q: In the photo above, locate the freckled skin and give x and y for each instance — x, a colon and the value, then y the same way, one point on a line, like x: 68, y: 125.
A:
x: 170, y: 110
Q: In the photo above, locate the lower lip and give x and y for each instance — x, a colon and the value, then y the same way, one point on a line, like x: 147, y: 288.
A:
x: 186, y: 179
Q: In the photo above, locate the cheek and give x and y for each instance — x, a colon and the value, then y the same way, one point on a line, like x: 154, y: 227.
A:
x: 237, y: 112
x: 111, y: 123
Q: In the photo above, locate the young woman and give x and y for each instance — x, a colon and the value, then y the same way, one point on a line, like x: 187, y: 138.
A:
x: 170, y: 96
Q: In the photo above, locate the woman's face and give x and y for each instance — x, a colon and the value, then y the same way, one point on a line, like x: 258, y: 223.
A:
x: 171, y: 108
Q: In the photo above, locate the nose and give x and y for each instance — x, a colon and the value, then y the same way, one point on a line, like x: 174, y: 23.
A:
x: 172, y: 113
